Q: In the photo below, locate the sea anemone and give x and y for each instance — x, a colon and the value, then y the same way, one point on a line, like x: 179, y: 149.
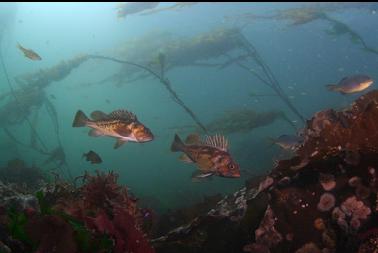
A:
x: 354, y: 181
x: 362, y: 192
x: 319, y: 224
x: 327, y: 202
x: 353, y: 207
x: 309, y: 248
x: 327, y: 181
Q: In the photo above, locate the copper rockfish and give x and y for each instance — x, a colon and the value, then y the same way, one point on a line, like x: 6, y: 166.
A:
x: 120, y: 124
x: 210, y: 155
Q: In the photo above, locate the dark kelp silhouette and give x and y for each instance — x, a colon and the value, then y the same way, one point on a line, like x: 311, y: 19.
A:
x: 18, y: 109
x: 161, y: 77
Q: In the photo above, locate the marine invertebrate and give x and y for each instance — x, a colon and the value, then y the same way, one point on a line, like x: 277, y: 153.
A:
x: 319, y: 224
x: 309, y: 248
x: 362, y: 192
x: 351, y: 214
x: 326, y: 202
x: 354, y: 181
x: 327, y: 181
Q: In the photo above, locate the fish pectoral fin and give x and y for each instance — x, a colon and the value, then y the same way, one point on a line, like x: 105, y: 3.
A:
x: 95, y: 133
x: 198, y: 176
x: 123, y: 131
x: 119, y: 143
x: 204, y: 164
x: 185, y: 158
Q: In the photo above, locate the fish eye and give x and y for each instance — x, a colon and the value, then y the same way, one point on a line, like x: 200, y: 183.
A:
x: 231, y: 166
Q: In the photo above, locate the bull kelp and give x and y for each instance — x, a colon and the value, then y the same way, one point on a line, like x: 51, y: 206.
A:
x: 188, y: 127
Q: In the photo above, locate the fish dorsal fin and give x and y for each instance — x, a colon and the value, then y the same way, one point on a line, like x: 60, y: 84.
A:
x: 123, y: 114
x: 217, y: 141
x: 193, y: 139
x: 99, y: 115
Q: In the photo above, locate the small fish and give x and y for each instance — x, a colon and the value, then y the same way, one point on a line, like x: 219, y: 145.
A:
x: 211, y: 156
x: 29, y: 53
x: 107, y: 101
x: 351, y: 84
x: 52, y: 96
x: 288, y: 142
x: 120, y: 124
x: 92, y: 157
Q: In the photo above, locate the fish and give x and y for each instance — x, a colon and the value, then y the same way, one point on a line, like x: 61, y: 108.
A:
x: 29, y: 53
x: 120, y: 124
x: 92, y: 157
x: 351, y: 84
x: 288, y: 142
x: 134, y: 7
x: 210, y: 155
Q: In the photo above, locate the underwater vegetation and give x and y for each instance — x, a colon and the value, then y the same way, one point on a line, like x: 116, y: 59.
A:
x: 99, y: 216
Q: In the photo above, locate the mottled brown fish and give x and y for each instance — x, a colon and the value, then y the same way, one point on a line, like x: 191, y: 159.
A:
x: 120, y: 124
x: 210, y: 155
x: 351, y: 84
x: 29, y: 53
x: 92, y: 157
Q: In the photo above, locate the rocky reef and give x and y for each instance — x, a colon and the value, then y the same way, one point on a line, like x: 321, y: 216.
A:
x: 324, y: 199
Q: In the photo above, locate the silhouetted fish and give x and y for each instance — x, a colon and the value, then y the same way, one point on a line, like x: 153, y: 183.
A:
x: 290, y: 142
x: 92, y: 157
x: 29, y: 53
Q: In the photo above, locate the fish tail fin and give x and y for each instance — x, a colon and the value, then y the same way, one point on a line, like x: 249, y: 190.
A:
x: 177, y: 144
x: 331, y: 87
x: 80, y: 119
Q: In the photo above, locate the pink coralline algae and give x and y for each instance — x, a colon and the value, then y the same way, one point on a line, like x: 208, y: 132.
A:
x: 326, y: 202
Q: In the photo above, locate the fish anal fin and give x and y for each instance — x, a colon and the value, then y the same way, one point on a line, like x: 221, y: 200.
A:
x: 119, y: 143
x: 185, y: 158
x: 95, y: 133
x: 99, y: 115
